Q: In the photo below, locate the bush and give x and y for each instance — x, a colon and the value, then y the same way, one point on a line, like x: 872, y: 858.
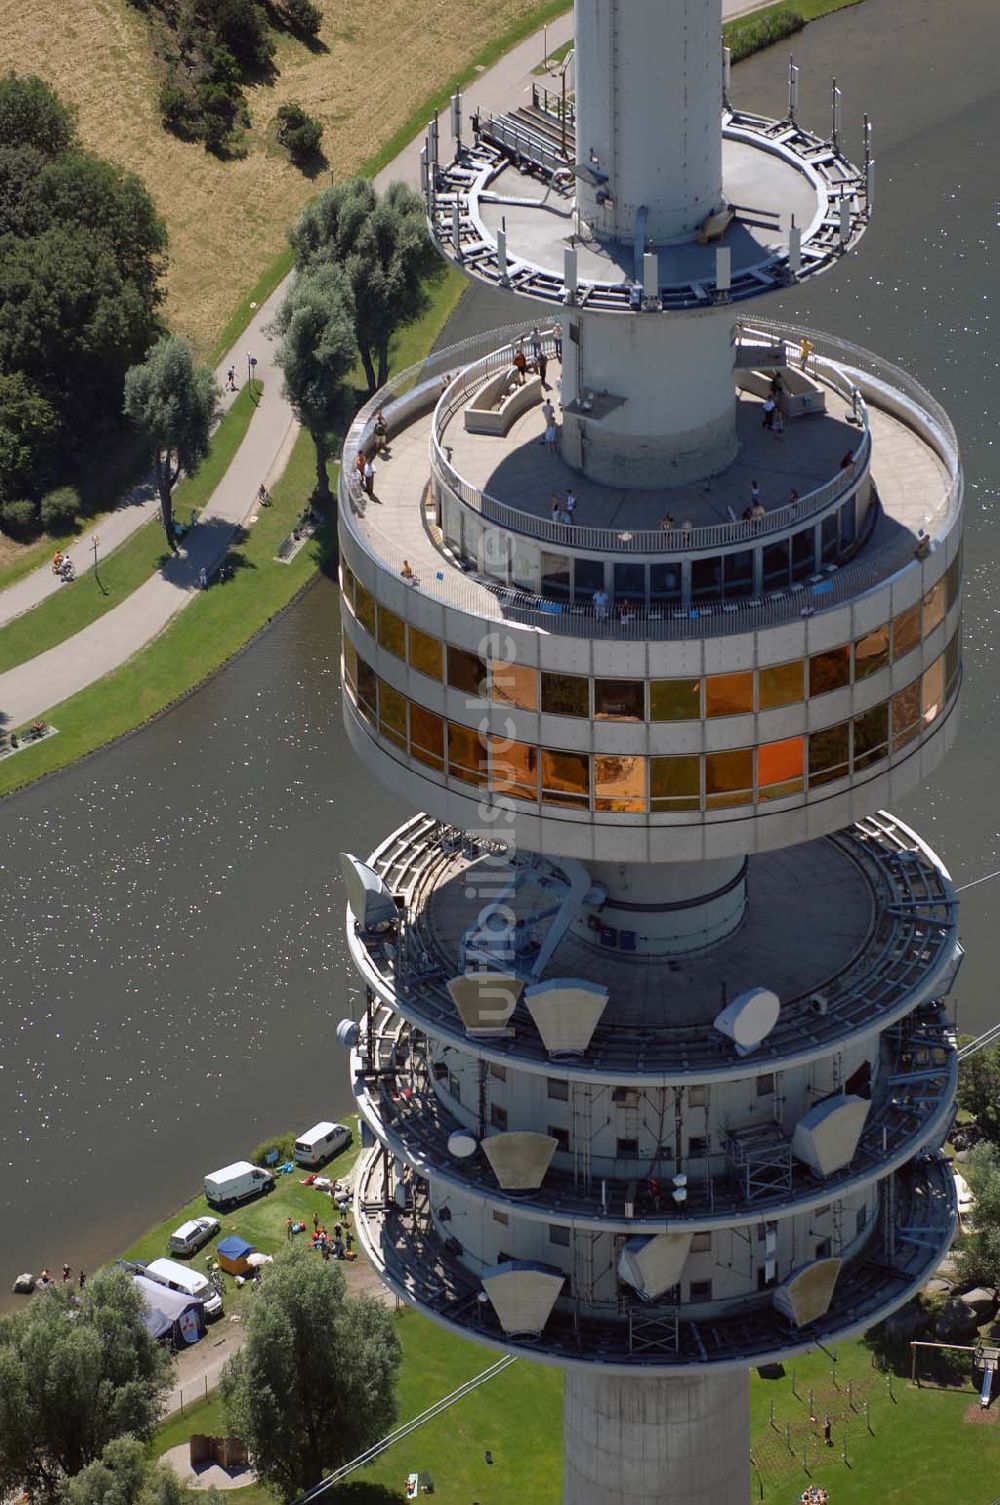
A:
x: 19, y: 519
x: 298, y: 132
x: 284, y: 1144
x: 31, y: 114
x: 177, y: 109
x: 753, y: 33
x: 303, y: 16
x: 60, y: 509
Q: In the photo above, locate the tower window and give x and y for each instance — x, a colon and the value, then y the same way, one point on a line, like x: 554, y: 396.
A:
x: 701, y: 1243
x: 500, y: 1217
x: 498, y: 1116
x: 765, y: 1084
x: 628, y: 1149
x: 697, y: 1147
x: 558, y: 1234
x: 557, y: 1088
x: 561, y: 1136
x: 701, y: 1290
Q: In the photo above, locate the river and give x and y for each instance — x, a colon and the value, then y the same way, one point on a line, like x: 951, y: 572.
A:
x: 172, y: 965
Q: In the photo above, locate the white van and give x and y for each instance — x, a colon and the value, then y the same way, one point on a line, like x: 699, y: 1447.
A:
x: 237, y: 1183
x: 320, y: 1142
x: 167, y: 1272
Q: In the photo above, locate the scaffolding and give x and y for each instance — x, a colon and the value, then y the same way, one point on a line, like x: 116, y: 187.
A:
x: 760, y: 1160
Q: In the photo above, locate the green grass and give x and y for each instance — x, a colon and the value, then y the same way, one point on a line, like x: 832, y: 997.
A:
x: 262, y: 1223
x: 75, y: 606
x: 557, y: 56
x: 282, y: 265
x: 919, y: 1447
x: 517, y: 1416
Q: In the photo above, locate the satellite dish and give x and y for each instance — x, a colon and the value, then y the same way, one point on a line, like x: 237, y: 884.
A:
x: 462, y: 1144
x: 749, y: 1019
x: 348, y: 1034
x: 372, y: 905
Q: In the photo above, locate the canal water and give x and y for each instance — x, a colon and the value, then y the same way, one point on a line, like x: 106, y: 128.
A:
x: 171, y: 959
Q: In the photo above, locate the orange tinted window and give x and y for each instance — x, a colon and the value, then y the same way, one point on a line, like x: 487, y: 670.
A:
x: 729, y: 694
x: 780, y: 767
x: 906, y: 631
x: 514, y: 768
x: 729, y: 778
x: 619, y: 783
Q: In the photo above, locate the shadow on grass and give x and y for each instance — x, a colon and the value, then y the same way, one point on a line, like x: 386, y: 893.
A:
x: 360, y: 1492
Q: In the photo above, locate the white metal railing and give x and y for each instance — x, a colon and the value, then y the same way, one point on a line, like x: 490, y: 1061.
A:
x: 459, y: 588
x: 646, y: 541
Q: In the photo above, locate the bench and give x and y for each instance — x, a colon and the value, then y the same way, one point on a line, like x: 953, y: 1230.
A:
x: 495, y: 408
x: 801, y: 394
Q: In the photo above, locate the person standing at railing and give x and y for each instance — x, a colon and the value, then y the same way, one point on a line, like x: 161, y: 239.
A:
x: 601, y: 604
x: 536, y: 345
x: 557, y: 339
x: 520, y: 364
x: 569, y: 506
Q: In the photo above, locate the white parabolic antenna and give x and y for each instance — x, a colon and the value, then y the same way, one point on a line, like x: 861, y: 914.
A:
x: 749, y: 1019
x: 462, y: 1144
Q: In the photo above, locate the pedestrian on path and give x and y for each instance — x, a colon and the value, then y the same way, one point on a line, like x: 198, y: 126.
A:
x: 83, y: 1280
x: 231, y: 379
x: 536, y: 345
x: 543, y: 366
x: 520, y: 364
x: 66, y: 1273
x: 369, y: 478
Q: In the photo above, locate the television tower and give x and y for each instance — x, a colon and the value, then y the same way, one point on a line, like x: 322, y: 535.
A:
x: 653, y: 607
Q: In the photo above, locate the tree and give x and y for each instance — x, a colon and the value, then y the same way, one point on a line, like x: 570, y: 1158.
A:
x: 384, y: 247
x: 116, y: 208
x: 71, y: 323
x: 298, y: 132
x: 979, y: 1089
x: 125, y: 1475
x: 314, y: 1383
x: 979, y: 1251
x: 28, y: 426
x: 32, y: 114
x: 316, y: 352
x: 172, y: 403
x: 75, y: 1372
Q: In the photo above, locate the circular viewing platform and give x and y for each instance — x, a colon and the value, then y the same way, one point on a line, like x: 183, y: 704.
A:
x: 876, y: 936
x: 490, y: 543
x: 775, y: 172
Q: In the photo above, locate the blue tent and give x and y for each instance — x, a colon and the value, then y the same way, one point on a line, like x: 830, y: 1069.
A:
x: 232, y: 1254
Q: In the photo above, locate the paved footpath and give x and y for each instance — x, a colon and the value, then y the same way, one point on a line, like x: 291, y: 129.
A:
x: 34, y: 687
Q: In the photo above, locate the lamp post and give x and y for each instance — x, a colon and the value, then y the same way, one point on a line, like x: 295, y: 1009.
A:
x: 251, y: 368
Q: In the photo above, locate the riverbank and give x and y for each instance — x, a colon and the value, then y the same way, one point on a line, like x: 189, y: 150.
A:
x: 221, y: 622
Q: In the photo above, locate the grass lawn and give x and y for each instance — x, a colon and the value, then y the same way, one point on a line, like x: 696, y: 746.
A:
x: 919, y: 1448
x: 74, y: 607
x: 517, y: 1417
x: 262, y: 1223
x: 219, y: 621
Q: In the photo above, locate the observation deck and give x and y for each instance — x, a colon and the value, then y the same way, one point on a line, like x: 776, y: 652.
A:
x: 774, y: 173
x: 875, y: 936
x: 916, y: 1226
x: 721, y: 576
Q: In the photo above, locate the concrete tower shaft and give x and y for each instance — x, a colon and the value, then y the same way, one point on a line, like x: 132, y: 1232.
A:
x: 661, y: 154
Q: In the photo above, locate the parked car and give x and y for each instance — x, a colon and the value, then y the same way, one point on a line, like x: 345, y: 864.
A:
x: 320, y: 1142
x: 186, y: 1282
x: 189, y: 1237
x: 237, y: 1183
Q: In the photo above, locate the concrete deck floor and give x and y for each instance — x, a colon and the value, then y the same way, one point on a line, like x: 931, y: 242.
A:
x: 518, y: 470
x: 809, y: 913
x: 913, y: 486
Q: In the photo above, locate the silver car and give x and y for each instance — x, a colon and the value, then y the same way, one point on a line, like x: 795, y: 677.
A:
x: 189, y: 1237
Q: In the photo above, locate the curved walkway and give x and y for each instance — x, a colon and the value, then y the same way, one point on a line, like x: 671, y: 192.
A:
x: 37, y: 685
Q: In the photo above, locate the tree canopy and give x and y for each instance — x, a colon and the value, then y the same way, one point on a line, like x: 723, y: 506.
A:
x: 979, y: 1089
x: 172, y: 403
x: 32, y: 114
x: 82, y: 252
x: 125, y: 1475
x: 75, y: 1372
x: 384, y: 249
x: 314, y: 1382
x: 317, y: 350
x: 979, y: 1251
